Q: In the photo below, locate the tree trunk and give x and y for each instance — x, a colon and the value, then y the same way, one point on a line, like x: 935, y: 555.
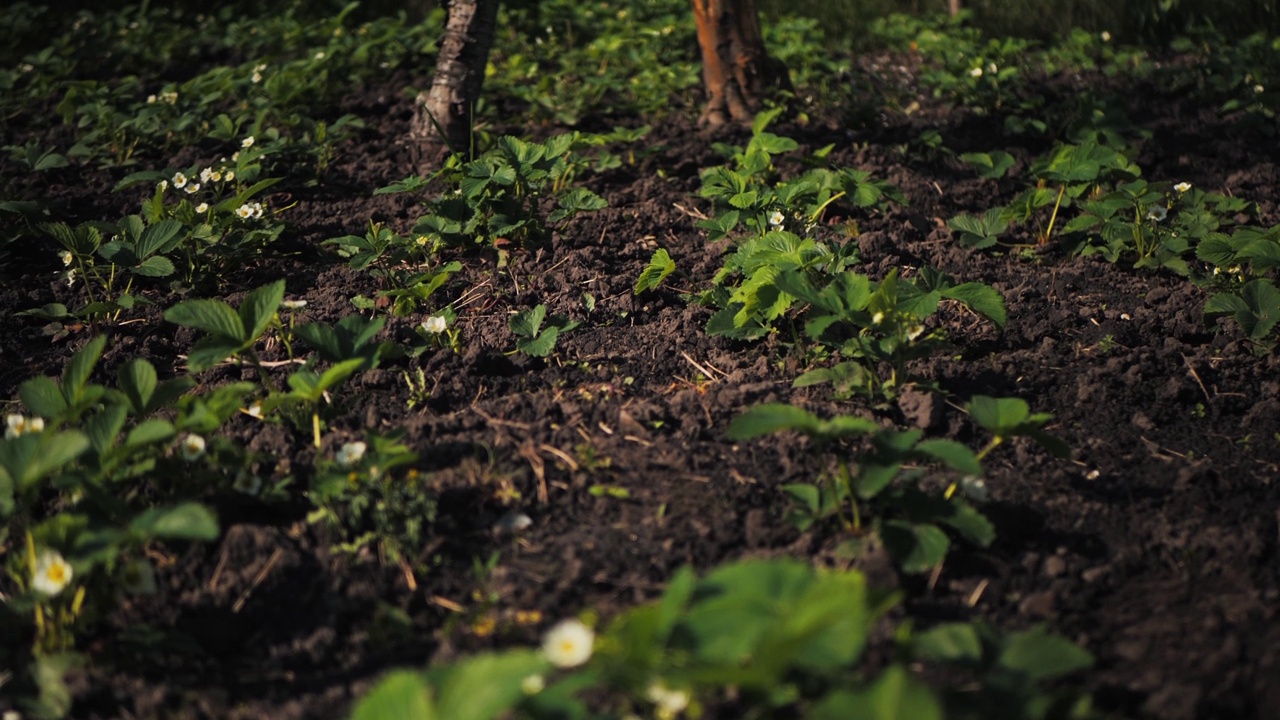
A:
x: 443, y: 113
x: 735, y: 67
x: 953, y: 6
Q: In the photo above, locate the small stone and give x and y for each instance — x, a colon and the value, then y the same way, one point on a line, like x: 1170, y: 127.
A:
x: 921, y: 409
x: 1054, y: 566
x: 1094, y: 574
x: 1131, y: 650
x: 1030, y: 561
x: 513, y: 522
x: 1038, y: 605
x: 1141, y: 421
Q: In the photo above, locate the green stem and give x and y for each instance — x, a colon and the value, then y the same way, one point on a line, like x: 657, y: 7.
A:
x: 855, y: 517
x: 128, y: 286
x: 315, y: 426
x: 822, y: 208
x: 262, y: 372
x: 1138, y: 242
x: 995, y: 442
x: 84, y: 273
x: 1054, y: 217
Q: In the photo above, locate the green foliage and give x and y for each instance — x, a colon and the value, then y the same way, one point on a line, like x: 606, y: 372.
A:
x: 66, y: 400
x: 532, y: 337
x: 288, y: 66
x: 1007, y: 418
x: 773, y: 417
x: 1017, y: 664
x: 909, y: 520
x: 992, y: 165
x: 85, y: 481
x: 659, y: 268
x: 784, y: 639
x: 35, y: 158
x: 351, y: 338
x: 564, y: 61
x: 228, y: 331
x: 780, y: 220
x: 403, y: 265
x: 872, y: 324
x: 498, y: 195
x: 369, y: 495
x: 1255, y: 309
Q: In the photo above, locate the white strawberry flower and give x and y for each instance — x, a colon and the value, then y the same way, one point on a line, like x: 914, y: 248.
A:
x: 52, y: 573
x: 192, y: 447
x: 568, y: 644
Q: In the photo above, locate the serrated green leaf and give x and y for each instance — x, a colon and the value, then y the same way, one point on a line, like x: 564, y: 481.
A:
x: 324, y: 339
x: 155, y: 266
x: 542, y: 345
x: 969, y: 523
x: 770, y: 418
x: 76, y: 375
x: 895, y: 695
x: 103, y: 426
x: 305, y: 384
x: 29, y: 458
x: 42, y: 397
x: 401, y: 694
x: 210, y: 351
x: 485, y: 686
x: 527, y: 323
x: 991, y: 166
x: 1040, y: 656
x: 980, y: 232
x: 772, y: 144
x: 659, y: 268
x: 151, y: 431
x: 949, y: 642
x: 258, y: 309
x: 874, y: 476
x: 998, y: 415
x: 212, y: 316
x: 155, y: 237
x: 952, y: 454
x: 1263, y: 300
x: 806, y: 494
x: 917, y: 547
x: 187, y: 521
x: 982, y: 299
x: 339, y: 372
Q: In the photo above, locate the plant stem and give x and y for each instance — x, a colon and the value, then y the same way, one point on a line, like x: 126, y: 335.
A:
x: 1054, y: 217
x: 262, y: 372
x: 855, y: 517
x: 995, y: 442
x: 823, y: 207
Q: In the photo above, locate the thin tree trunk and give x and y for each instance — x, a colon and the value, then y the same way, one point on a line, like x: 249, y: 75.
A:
x: 954, y: 7
x: 444, y: 112
x: 736, y: 69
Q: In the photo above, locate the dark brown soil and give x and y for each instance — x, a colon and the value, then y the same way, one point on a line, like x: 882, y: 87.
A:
x: 1155, y: 546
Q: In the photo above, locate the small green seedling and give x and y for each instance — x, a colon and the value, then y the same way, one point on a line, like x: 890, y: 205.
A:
x: 228, y: 331
x: 532, y: 338
x: 659, y: 268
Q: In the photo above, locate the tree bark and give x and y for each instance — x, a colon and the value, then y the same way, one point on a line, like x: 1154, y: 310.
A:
x: 444, y: 112
x: 736, y: 69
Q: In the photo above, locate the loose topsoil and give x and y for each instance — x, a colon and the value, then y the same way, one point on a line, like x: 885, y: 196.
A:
x: 1154, y: 546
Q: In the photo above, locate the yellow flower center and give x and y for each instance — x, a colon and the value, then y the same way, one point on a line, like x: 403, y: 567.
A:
x: 57, y: 573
